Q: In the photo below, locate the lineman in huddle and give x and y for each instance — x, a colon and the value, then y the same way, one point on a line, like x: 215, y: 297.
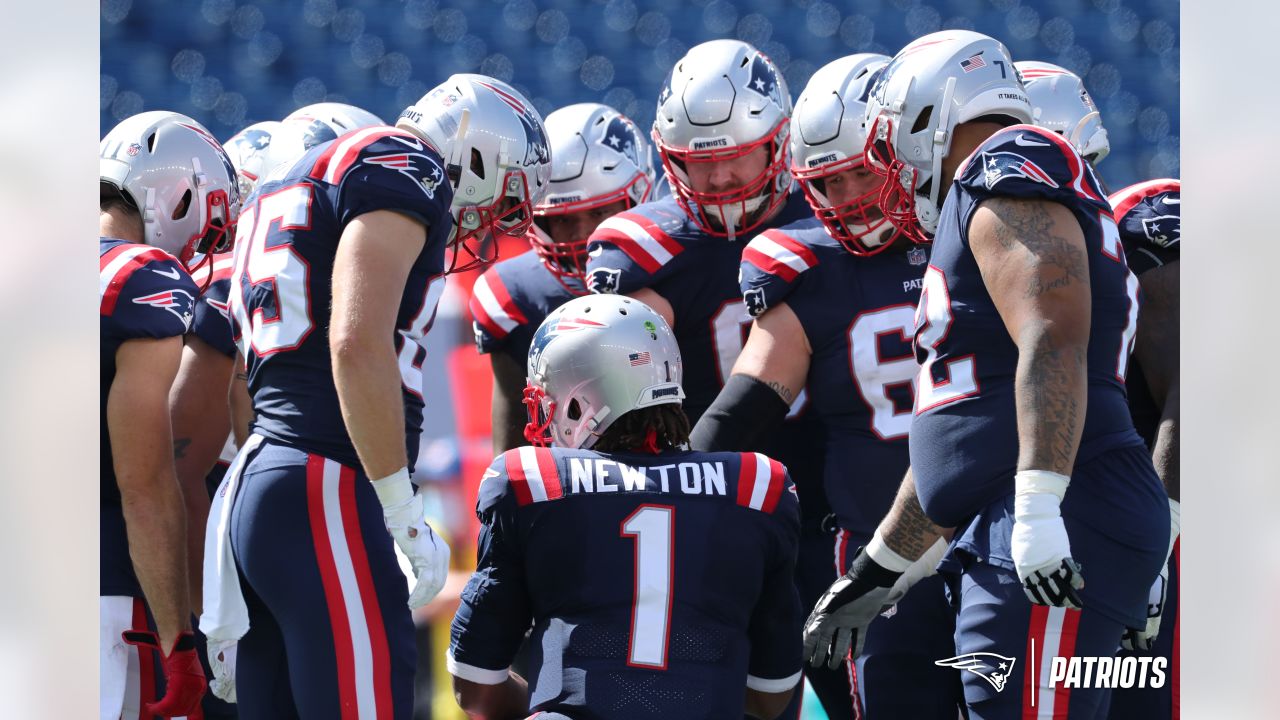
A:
x: 1024, y: 329
x: 834, y: 296
x: 338, y: 268
x: 625, y: 553
x: 167, y: 192
x: 601, y: 164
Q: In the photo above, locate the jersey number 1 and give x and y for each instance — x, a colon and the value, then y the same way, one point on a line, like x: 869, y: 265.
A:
x: 653, y: 528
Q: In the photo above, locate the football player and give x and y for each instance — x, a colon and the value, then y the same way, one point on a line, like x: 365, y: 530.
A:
x: 339, y: 263
x: 1025, y: 324
x: 601, y: 165
x: 656, y: 580
x: 1149, y: 215
x: 167, y: 191
x: 1059, y: 102
x: 834, y: 297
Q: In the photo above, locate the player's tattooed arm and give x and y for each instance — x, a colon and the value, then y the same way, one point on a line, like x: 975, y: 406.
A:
x: 1157, y: 350
x: 906, y: 529
x: 1032, y: 257
x: 777, y: 352
x: 180, y: 446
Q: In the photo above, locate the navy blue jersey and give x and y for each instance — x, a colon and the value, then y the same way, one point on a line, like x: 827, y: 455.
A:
x: 511, y: 299
x: 657, y: 586
x: 858, y: 314
x: 1149, y: 216
x: 656, y: 245
x: 212, y: 322
x: 280, y: 288
x: 964, y: 441
x: 144, y: 293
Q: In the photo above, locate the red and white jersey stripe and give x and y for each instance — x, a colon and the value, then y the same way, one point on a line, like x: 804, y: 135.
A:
x: 343, y: 152
x: 492, y: 306
x: 778, y: 254
x: 760, y: 482
x: 1124, y: 200
x: 117, y: 265
x: 640, y: 238
x: 533, y: 475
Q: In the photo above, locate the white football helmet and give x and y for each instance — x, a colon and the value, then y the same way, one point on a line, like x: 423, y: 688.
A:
x: 180, y: 179
x: 722, y: 101
x: 339, y: 118
x: 1060, y: 103
x: 598, y: 157
x: 827, y: 138
x: 496, y: 155
x: 250, y: 153
x: 932, y: 85
x: 593, y: 360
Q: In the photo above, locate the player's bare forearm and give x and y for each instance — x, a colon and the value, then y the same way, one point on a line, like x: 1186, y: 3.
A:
x: 906, y: 529
x: 201, y: 421
x: 1032, y: 257
x: 659, y: 304
x: 504, y: 701
x: 1156, y: 349
x: 766, y: 706
x: 508, y: 412
x: 369, y: 274
x: 777, y: 352
x: 241, y: 403
x: 151, y: 500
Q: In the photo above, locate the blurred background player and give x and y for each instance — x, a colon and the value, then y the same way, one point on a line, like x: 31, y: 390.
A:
x: 657, y: 580
x: 601, y: 165
x: 1149, y: 216
x: 167, y: 191
x: 337, y: 274
x: 1024, y: 330
x: 834, y: 297
x: 1060, y: 102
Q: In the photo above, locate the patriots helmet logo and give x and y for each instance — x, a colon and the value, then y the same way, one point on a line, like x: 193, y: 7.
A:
x: 604, y: 280
x: 1002, y: 165
x: 764, y: 79
x: 1163, y: 230
x: 992, y: 667
x: 620, y: 136
x: 317, y: 132
x: 178, y: 302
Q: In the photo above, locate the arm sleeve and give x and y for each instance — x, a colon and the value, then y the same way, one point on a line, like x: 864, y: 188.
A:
x: 777, y: 623
x: 495, y: 610
x: 745, y: 411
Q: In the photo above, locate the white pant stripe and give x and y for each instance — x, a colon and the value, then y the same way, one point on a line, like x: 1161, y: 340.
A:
x: 1052, y: 640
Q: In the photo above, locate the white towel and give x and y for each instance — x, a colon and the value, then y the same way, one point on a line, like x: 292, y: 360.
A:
x: 225, y: 617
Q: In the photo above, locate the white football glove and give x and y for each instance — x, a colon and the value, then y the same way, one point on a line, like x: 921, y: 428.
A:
x: 222, y: 660
x: 1041, y: 550
x: 428, y: 553
x: 1145, y: 638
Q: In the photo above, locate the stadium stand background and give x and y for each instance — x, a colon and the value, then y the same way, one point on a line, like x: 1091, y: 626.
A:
x: 229, y: 64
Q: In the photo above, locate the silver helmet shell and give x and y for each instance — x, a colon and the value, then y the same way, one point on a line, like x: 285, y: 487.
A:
x: 178, y: 176
x: 932, y: 85
x: 496, y: 154
x: 595, y: 359
x: 723, y: 100
x: 1059, y: 102
x: 827, y: 138
x: 250, y: 153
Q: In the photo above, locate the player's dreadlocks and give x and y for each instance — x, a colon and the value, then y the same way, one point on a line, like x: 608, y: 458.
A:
x: 664, y: 425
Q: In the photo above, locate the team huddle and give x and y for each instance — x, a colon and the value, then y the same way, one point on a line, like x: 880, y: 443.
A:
x: 891, y: 359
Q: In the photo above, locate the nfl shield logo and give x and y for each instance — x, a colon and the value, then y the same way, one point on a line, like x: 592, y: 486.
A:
x: 134, y: 149
x: 917, y: 256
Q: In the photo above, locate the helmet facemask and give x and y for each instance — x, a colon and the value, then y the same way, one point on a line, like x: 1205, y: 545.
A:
x: 740, y: 210
x: 568, y: 259
x: 857, y: 223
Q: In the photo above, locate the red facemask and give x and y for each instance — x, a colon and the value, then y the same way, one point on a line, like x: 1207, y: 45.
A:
x: 897, y: 198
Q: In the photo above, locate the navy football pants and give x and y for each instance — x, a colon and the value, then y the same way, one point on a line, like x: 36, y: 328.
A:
x: 330, y: 633
x: 1155, y: 703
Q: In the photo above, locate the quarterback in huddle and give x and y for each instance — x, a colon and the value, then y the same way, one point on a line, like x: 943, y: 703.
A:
x: 870, y: 394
